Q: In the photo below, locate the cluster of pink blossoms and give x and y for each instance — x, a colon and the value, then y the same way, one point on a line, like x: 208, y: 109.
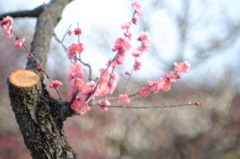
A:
x: 106, y: 85
x: 78, y: 86
x: 80, y: 106
x: 121, y: 46
x: 108, y: 79
x: 107, y: 82
x: 6, y: 24
x: 74, y: 49
x: 162, y: 85
x: 144, y: 39
x: 137, y: 8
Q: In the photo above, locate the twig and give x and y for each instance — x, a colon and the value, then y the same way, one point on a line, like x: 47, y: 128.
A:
x: 129, y: 77
x: 66, y: 33
x: 78, y: 34
x: 89, y: 68
x: 149, y: 107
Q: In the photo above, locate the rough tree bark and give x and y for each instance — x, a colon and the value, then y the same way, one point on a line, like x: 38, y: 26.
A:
x: 40, y: 117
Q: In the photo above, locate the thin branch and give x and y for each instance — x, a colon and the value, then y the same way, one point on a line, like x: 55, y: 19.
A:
x: 132, y: 97
x: 89, y: 68
x: 66, y: 33
x: 129, y: 77
x: 78, y: 34
x: 149, y: 107
x: 26, y: 13
x: 38, y: 63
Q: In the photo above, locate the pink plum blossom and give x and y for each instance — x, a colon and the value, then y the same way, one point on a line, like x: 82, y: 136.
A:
x: 182, y: 66
x: 137, y: 8
x: 6, y: 24
x: 156, y: 86
x: 128, y: 35
x: 103, y: 82
x: 28, y: 57
x: 137, y: 65
x: 137, y: 52
x: 80, y: 106
x: 104, y: 74
x: 113, y: 82
x: 197, y: 103
x: 121, y: 45
x: 19, y: 42
x: 144, y: 36
x: 120, y: 59
x: 78, y: 84
x: 111, y: 63
x: 172, y: 76
x: 104, y: 105
x: 77, y: 31
x: 134, y: 21
x: 126, y: 25
x: 75, y: 48
x: 123, y: 99
x: 55, y: 83
x: 75, y: 71
x: 127, y: 73
x: 166, y: 86
x: 40, y: 69
x: 144, y: 92
x: 88, y: 88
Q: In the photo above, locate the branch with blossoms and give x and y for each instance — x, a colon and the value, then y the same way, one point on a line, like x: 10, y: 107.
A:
x: 95, y: 92
x: 85, y: 94
x: 6, y: 24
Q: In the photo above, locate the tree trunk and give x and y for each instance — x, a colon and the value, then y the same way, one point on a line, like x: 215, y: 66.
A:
x: 40, y: 117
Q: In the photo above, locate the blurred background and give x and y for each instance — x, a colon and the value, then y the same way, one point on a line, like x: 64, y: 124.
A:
x: 204, y: 33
